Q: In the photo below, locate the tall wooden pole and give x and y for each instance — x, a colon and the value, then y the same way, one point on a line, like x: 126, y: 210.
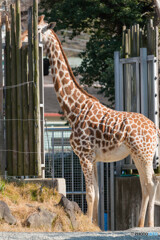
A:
x: 8, y: 109
x: 19, y: 89
x: 31, y: 99
x: 13, y: 94
x: 36, y: 89
x: 25, y: 110
x: 2, y: 163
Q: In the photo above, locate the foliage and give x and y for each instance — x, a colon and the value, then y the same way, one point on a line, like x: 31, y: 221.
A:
x: 103, y: 21
x: 2, y: 186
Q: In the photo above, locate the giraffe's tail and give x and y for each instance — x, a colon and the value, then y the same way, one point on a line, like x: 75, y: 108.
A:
x: 156, y: 177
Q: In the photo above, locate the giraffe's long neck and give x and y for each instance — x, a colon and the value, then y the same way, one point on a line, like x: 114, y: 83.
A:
x: 71, y: 97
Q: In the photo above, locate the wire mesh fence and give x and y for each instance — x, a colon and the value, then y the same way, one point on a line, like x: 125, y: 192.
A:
x: 61, y: 161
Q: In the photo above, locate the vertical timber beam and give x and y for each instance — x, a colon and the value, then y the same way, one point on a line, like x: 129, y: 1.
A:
x: 13, y: 93
x: 2, y: 163
x: 8, y: 108
x: 36, y: 90
x: 19, y: 89
x: 31, y: 100
x: 25, y: 109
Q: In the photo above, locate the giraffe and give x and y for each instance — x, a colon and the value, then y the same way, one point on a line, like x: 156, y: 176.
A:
x: 100, y: 133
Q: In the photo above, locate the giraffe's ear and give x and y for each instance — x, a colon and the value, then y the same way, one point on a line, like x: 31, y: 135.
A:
x: 41, y: 19
x: 51, y: 25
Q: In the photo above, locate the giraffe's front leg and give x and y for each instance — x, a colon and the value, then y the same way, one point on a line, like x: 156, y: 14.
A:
x: 88, y: 170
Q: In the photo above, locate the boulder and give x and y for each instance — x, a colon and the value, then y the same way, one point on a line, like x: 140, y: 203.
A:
x: 5, y: 213
x: 42, y: 218
x: 70, y: 208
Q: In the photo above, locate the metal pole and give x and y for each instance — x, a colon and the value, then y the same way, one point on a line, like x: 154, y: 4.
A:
x: 144, y: 82
x: 112, y: 194
x: 117, y: 95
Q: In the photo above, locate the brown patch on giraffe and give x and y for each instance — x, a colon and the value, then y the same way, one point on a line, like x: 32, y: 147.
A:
x: 49, y: 55
x: 79, y: 132
x: 111, y: 148
x: 56, y: 71
x: 128, y: 128
x: 77, y: 141
x: 68, y: 90
x: 85, y: 149
x: 72, y: 117
x: 62, y: 93
x: 98, y: 134
x: 65, y: 81
x: 61, y: 57
x: 104, y: 150
x: 48, y: 51
x: 50, y: 62
x: 64, y: 68
x: 73, y: 145
x: 131, y: 139
x: 94, y: 119
x: 52, y: 72
x: 118, y: 135
x: 133, y: 133
x: 58, y: 64
x: 59, y: 99
x: 56, y: 53
x: 70, y: 100
x: 81, y: 99
x: 61, y: 74
x: 79, y: 149
x: 57, y: 85
x: 98, y: 142
x: 52, y: 48
x: 89, y: 131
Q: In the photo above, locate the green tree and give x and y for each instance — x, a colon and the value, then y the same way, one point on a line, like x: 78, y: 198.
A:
x: 103, y: 21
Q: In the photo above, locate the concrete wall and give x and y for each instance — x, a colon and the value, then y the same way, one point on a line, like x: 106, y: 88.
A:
x: 128, y: 202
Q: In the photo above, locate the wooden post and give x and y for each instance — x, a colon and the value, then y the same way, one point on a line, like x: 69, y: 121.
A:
x: 36, y: 90
x: 31, y: 99
x: 8, y: 109
x: 19, y: 89
x: 25, y: 109
x: 2, y: 163
x: 13, y: 93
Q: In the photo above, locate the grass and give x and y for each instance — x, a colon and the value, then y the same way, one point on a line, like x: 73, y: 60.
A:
x: 24, y: 199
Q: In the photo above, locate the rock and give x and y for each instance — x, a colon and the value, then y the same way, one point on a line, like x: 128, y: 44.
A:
x: 70, y: 208
x: 43, y: 218
x: 76, y: 208
x: 5, y: 213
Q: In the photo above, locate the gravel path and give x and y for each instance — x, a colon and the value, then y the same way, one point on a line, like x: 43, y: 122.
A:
x: 135, y: 233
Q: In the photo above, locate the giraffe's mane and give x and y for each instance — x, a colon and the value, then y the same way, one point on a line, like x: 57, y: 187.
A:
x: 70, y: 70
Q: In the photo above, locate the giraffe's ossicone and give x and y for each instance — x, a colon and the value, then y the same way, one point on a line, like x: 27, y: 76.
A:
x: 100, y: 133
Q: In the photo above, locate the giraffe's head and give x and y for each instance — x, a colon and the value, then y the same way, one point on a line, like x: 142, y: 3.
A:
x: 44, y: 27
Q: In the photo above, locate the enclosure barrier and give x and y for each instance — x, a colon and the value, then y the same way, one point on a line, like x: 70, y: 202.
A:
x: 24, y: 122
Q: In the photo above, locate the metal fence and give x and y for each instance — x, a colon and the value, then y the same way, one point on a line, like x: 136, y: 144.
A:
x: 61, y: 161
x: 136, y: 90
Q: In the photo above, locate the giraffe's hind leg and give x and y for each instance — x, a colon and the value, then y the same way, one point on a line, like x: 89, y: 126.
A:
x: 148, y: 186
x: 96, y: 200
